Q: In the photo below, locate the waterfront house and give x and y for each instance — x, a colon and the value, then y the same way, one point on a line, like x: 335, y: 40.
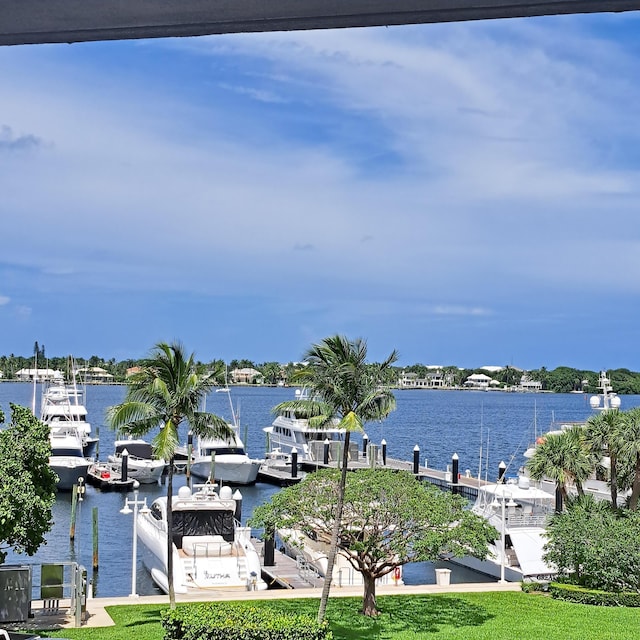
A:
x: 247, y: 375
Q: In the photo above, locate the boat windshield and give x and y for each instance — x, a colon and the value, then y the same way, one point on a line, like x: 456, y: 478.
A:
x: 221, y: 451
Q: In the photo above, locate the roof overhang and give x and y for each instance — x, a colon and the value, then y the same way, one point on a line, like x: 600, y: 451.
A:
x: 51, y: 21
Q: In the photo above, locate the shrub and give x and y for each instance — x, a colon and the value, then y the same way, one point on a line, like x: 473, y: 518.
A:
x: 582, y: 595
x: 239, y: 621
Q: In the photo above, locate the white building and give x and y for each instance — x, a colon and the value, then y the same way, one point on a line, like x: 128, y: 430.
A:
x: 478, y: 381
x: 40, y: 375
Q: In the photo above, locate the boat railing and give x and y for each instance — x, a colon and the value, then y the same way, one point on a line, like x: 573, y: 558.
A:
x: 527, y: 520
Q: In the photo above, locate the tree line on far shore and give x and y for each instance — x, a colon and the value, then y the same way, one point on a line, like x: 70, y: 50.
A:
x: 559, y: 380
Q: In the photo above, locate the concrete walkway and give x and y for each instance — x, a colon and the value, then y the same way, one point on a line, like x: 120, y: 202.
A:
x: 97, y: 615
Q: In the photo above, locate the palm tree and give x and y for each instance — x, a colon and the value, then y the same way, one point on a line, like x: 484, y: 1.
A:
x: 631, y: 450
x: 564, y: 458
x: 604, y: 436
x: 342, y: 386
x: 169, y: 389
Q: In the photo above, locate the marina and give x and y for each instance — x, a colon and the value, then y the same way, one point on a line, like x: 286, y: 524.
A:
x: 482, y: 428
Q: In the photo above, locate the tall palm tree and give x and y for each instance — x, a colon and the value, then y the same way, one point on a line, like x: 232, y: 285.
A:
x: 168, y: 390
x: 604, y: 435
x: 342, y: 386
x: 564, y: 458
x: 631, y: 450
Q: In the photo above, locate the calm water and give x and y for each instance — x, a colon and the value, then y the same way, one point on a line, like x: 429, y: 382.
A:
x: 441, y: 423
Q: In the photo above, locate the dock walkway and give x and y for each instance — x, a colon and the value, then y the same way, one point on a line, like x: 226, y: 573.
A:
x: 466, y: 485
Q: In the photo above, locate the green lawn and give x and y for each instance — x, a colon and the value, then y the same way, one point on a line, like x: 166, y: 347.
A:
x: 478, y: 616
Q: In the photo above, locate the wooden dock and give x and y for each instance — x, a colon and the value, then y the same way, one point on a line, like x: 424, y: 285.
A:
x: 287, y: 572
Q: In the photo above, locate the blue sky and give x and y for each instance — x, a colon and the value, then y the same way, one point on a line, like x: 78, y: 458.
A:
x: 465, y: 193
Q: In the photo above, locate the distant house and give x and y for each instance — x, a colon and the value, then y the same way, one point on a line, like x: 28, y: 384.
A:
x: 247, y: 375
x: 526, y: 384
x: 131, y: 371
x: 433, y: 380
x: 478, y: 381
x: 40, y: 375
x: 94, y: 375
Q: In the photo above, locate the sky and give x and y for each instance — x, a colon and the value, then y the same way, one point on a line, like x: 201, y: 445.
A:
x: 465, y: 193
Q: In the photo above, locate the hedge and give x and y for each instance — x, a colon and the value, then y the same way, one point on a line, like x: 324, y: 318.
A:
x: 239, y: 621
x: 582, y: 595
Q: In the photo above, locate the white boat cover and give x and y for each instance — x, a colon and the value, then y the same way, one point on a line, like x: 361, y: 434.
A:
x: 528, y: 545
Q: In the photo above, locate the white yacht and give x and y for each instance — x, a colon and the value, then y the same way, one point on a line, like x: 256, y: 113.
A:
x: 289, y: 431
x: 224, y: 460
x: 141, y: 463
x: 63, y: 405
x: 67, y: 458
x: 210, y: 547
x: 519, y: 512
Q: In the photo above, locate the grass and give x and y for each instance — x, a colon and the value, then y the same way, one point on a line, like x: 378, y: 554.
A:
x: 477, y: 616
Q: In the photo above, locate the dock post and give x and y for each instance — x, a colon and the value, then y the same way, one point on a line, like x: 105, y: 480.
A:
x: 502, y: 468
x: 74, y: 504
x: 365, y: 444
x: 416, y: 460
x: 454, y: 473
x: 384, y: 452
x: 269, y: 549
x: 294, y: 463
x: 95, y: 537
x: 325, y: 456
x: 124, y: 469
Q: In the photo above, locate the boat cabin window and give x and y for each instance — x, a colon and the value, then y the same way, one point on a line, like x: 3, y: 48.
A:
x: 72, y: 452
x: 222, y: 450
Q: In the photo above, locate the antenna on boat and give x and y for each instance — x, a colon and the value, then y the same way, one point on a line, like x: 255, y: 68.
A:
x: 481, y: 423
x: 35, y: 378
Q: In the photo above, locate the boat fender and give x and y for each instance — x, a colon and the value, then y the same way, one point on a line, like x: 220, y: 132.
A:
x: 105, y: 475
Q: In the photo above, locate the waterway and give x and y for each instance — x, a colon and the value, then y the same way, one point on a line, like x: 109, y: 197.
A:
x: 483, y: 428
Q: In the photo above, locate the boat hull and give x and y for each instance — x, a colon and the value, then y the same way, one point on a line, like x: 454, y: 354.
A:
x: 69, y: 469
x: 228, y: 469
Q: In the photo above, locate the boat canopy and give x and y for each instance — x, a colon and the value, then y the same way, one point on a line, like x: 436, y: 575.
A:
x: 219, y: 522
x: 529, y: 547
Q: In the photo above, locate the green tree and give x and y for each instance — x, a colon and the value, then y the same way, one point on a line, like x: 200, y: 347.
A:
x: 604, y: 436
x: 342, y: 385
x: 564, y: 458
x: 389, y: 518
x: 25, y: 515
x: 595, y: 546
x: 169, y: 389
x: 630, y: 449
x: 271, y: 372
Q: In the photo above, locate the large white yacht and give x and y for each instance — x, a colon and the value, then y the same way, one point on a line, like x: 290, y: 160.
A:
x: 289, y: 431
x: 63, y: 405
x: 519, y: 512
x: 210, y: 547
x: 67, y: 458
x: 224, y: 460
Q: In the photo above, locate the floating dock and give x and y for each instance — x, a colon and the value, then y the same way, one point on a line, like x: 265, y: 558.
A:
x: 107, y: 477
